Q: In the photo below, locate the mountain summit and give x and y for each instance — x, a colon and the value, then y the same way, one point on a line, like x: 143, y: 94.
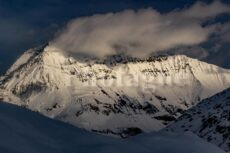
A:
x: 120, y: 96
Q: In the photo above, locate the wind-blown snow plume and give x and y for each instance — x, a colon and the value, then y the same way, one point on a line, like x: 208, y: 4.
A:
x: 139, y: 33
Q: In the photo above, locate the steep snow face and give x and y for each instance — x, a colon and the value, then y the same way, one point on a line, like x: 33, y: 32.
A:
x: 120, y: 96
x: 210, y: 120
x: 30, y: 132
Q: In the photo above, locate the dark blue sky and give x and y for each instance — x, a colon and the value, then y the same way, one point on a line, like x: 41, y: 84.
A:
x: 28, y: 23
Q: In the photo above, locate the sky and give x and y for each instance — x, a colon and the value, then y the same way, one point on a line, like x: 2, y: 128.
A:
x: 26, y: 24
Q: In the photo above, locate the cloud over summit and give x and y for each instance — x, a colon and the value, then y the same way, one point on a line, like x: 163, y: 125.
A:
x: 138, y: 33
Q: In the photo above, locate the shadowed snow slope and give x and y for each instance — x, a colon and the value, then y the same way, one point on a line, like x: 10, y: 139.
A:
x: 210, y: 120
x: 23, y: 131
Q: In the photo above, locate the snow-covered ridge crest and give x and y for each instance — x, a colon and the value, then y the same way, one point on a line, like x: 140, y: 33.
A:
x: 123, y: 97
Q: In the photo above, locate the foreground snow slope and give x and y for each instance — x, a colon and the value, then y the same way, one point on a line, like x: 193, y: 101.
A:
x: 55, y: 85
x: 210, y: 120
x: 23, y: 131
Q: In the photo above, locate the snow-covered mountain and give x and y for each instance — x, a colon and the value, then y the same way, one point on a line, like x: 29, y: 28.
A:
x: 120, y: 95
x: 23, y: 131
x: 210, y: 120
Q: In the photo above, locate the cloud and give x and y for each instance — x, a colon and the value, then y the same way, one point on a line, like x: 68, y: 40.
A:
x: 138, y: 33
x: 197, y: 52
x: 202, y: 10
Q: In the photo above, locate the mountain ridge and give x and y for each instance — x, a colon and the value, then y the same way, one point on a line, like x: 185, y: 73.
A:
x: 210, y: 120
x: 51, y: 83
